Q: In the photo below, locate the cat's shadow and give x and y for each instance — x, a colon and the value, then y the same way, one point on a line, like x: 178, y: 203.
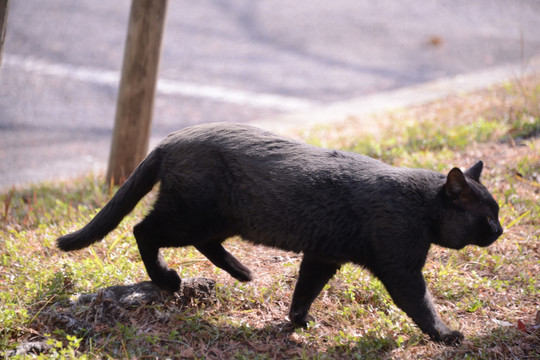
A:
x: 144, y: 303
x: 125, y: 303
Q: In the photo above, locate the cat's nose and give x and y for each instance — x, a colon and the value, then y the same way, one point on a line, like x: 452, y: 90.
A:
x: 495, y: 226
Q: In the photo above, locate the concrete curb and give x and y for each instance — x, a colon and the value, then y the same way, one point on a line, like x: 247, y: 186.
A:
x: 361, y: 108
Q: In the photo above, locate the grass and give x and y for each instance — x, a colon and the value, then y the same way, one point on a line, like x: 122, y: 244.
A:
x: 490, y: 294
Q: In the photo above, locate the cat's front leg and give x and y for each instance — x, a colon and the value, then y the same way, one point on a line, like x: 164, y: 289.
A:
x: 408, y: 290
x: 314, y: 274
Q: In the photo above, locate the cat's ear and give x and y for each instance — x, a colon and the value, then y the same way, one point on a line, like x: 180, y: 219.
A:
x: 456, y: 185
x: 474, y: 171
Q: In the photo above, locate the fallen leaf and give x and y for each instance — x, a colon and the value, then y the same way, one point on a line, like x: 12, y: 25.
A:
x: 521, y: 326
x: 187, y: 353
x: 502, y: 323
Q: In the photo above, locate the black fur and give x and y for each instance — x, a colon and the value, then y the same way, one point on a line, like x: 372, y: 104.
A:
x: 220, y: 180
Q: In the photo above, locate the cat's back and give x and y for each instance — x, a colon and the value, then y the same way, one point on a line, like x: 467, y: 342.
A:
x: 254, y: 150
x: 240, y: 143
x: 226, y: 137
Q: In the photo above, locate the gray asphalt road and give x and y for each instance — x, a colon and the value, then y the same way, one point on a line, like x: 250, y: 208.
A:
x: 230, y: 60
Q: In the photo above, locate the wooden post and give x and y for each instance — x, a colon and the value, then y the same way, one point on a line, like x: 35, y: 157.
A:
x: 4, y: 5
x: 137, y: 87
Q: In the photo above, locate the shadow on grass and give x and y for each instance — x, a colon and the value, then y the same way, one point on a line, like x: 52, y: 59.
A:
x: 140, y: 320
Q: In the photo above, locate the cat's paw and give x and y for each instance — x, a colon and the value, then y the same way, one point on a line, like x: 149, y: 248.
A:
x: 169, y: 281
x: 243, y: 275
x: 300, y: 321
x: 453, y: 338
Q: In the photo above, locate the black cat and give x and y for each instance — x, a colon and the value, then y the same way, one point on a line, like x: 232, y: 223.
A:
x: 220, y: 180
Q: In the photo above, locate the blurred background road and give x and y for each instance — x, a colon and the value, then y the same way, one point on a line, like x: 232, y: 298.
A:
x: 230, y: 60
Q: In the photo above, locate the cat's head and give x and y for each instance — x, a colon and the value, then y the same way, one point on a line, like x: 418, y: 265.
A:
x: 470, y: 215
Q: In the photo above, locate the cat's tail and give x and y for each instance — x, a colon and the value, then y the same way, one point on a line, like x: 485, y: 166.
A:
x: 145, y: 176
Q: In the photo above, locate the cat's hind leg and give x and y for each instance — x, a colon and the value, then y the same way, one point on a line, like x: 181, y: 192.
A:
x: 220, y: 257
x: 314, y: 274
x: 150, y: 237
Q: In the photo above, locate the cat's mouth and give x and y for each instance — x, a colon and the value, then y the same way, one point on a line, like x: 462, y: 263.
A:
x: 496, y: 230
